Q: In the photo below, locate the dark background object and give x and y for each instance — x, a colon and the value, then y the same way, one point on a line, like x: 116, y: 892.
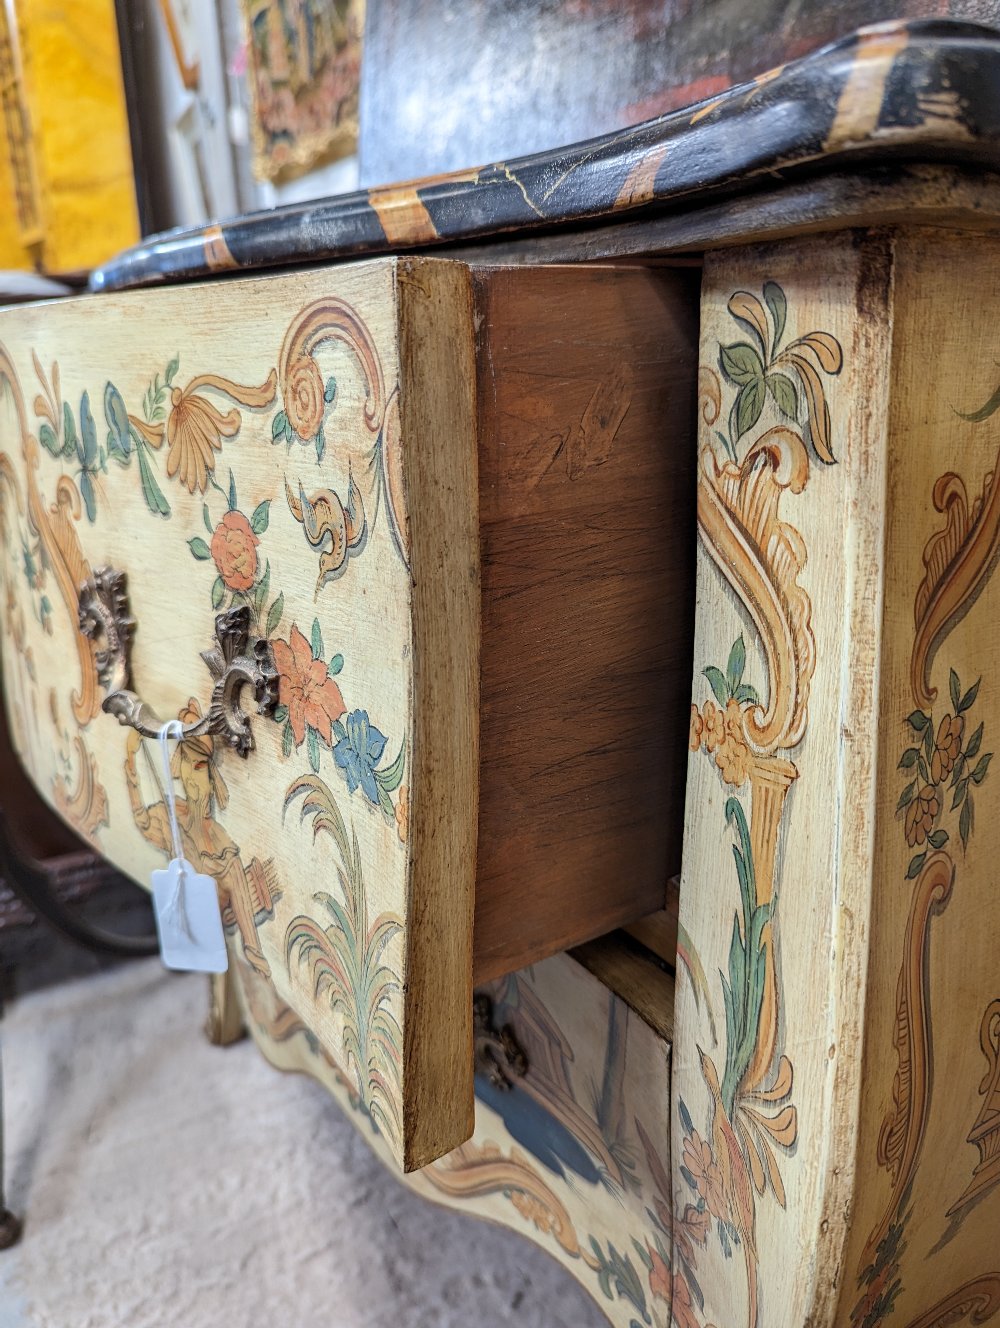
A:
x: 448, y: 84
x: 39, y: 852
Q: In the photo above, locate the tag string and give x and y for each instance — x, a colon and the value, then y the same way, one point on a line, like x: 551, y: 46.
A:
x: 175, y: 909
x: 173, y: 728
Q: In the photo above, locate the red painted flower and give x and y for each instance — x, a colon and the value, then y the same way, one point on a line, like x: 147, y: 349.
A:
x: 682, y: 1309
x: 234, y: 548
x: 659, y: 1275
x: 306, y: 688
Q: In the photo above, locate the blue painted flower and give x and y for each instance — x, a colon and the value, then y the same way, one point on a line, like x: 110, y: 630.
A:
x: 358, y: 752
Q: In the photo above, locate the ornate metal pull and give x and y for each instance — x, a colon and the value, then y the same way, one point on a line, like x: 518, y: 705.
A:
x: 238, y: 661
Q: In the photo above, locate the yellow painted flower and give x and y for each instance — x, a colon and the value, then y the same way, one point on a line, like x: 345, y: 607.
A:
x: 947, y: 747
x: 921, y: 815
x: 696, y: 730
x: 195, y: 430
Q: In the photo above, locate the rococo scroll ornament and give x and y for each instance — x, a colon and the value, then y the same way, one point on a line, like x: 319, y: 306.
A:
x: 749, y: 733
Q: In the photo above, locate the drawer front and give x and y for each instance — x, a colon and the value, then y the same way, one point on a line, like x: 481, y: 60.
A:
x: 302, y: 448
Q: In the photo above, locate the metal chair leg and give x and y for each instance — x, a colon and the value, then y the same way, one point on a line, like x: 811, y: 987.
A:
x: 10, y: 1226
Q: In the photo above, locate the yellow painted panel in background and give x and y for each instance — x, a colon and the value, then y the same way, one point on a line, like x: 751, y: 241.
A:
x: 79, y: 126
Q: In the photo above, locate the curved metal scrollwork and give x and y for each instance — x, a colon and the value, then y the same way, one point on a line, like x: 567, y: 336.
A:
x: 237, y: 661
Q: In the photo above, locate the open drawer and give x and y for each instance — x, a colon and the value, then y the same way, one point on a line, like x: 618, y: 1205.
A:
x: 437, y: 522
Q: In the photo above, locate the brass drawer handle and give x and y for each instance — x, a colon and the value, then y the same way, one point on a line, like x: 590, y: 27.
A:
x: 238, y: 660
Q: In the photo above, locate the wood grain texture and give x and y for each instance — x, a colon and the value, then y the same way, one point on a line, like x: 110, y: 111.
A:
x: 437, y: 413
x: 658, y: 931
x: 586, y: 397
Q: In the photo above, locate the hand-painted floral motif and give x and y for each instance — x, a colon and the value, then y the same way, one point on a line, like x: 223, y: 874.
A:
x: 306, y: 690
x: 943, y: 764
x: 760, y: 370
x: 347, y: 963
x: 940, y: 751
x: 357, y: 752
x: 234, y: 548
x: 751, y: 1119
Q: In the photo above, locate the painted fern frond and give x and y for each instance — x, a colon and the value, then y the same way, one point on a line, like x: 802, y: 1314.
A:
x: 346, y: 961
x: 744, y: 993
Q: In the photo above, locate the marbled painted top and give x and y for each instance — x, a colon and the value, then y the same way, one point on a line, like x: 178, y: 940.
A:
x: 926, y: 90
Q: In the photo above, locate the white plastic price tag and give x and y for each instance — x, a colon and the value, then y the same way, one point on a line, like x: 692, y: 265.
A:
x: 185, y: 903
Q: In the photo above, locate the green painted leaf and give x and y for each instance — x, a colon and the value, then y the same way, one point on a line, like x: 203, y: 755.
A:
x: 218, y: 592
x: 330, y: 391
x: 88, y: 433
x: 391, y: 777
x: 289, y: 433
x: 278, y: 425
x: 199, y: 548
x: 287, y: 738
x: 119, y: 431
x: 336, y: 664
x: 937, y: 838
x: 384, y: 801
x: 280, y: 714
x: 979, y: 774
x: 172, y: 368
x: 233, y: 504
x: 915, y: 866
x: 69, y: 431
x: 918, y: 721
x: 906, y: 797
x: 909, y: 758
x: 737, y: 663
x: 960, y: 791
x: 316, y: 639
x: 774, y: 298
x: 87, y: 493
x: 320, y: 445
x: 969, y: 697
x: 718, y: 684
x: 259, y: 520
x: 929, y: 742
x: 746, y: 694
x: 208, y: 520
x: 749, y: 405
x: 312, y: 745
x: 48, y: 439
x: 984, y: 412
x: 972, y: 747
x: 275, y: 612
x: 924, y: 772
x: 741, y: 363
x: 155, y: 500
x: 643, y: 1254
x: 965, y: 822
x: 955, y: 688
x: 685, y: 1116
x: 785, y: 394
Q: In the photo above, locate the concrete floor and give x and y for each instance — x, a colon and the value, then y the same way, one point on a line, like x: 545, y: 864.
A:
x: 166, y: 1182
